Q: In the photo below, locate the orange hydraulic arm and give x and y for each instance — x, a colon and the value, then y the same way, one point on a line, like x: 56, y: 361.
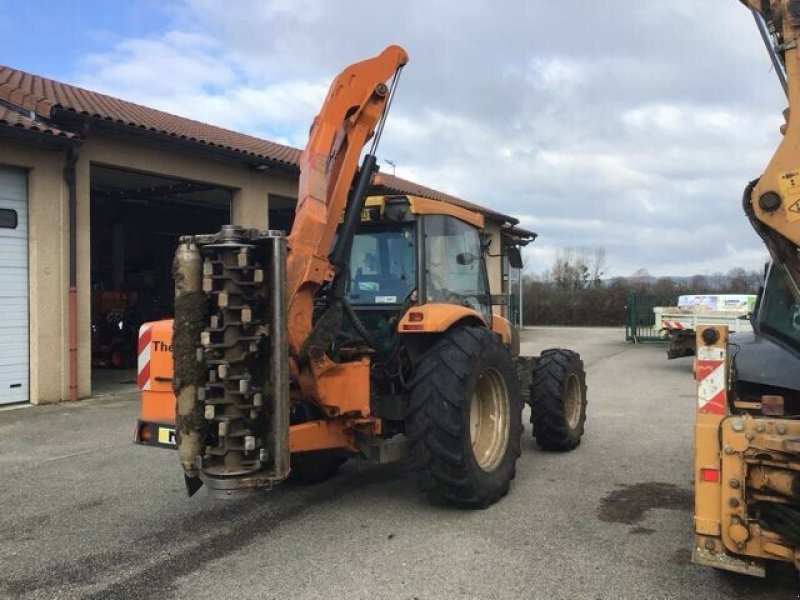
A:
x: 773, y: 201
x: 352, y: 113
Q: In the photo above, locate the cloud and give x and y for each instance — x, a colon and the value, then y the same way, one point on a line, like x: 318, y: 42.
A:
x: 629, y: 126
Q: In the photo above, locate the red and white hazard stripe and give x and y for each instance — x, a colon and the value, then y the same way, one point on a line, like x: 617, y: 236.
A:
x: 672, y: 325
x: 143, y: 374
x: 710, y: 375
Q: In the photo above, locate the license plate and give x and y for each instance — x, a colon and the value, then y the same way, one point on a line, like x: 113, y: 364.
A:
x: 166, y: 435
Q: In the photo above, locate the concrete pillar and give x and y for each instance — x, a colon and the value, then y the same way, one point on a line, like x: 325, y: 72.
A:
x: 250, y: 205
x: 83, y: 186
x: 47, y: 263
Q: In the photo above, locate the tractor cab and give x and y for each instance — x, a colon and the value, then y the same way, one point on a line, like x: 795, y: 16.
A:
x: 414, y: 252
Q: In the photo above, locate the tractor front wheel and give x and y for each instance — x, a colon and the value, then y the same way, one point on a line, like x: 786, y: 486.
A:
x: 464, y: 421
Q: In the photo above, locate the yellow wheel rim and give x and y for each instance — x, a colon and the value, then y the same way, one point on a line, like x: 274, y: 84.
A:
x: 572, y: 402
x: 489, y: 420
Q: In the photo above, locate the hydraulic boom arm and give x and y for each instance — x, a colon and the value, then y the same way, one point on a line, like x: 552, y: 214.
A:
x: 355, y: 106
x: 773, y: 201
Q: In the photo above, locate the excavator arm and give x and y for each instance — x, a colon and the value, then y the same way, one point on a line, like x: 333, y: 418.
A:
x: 772, y: 203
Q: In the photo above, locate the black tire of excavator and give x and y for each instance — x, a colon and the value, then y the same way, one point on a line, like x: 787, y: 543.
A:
x: 438, y: 419
x: 548, y: 398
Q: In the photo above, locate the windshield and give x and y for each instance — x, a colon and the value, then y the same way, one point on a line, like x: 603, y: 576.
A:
x: 779, y: 311
x: 382, y: 265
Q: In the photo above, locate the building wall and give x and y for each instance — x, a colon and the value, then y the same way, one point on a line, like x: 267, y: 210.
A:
x: 49, y: 238
x: 48, y: 256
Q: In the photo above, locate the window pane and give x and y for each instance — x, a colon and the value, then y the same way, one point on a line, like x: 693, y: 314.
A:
x: 8, y: 218
x: 455, y: 271
x: 779, y: 313
x: 382, y: 266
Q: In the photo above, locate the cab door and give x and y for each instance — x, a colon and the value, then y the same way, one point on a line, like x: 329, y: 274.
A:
x: 455, y: 272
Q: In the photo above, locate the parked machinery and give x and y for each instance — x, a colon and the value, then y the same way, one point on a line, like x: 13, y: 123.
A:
x: 747, y: 435
x: 368, y: 331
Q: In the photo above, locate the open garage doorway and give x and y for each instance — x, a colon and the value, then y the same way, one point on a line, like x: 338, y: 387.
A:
x: 136, y: 220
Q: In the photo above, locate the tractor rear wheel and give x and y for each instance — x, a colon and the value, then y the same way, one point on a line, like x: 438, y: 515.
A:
x: 558, y: 400
x: 465, y: 419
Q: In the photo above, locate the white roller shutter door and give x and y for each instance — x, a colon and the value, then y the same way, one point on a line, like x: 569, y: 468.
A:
x: 14, y: 355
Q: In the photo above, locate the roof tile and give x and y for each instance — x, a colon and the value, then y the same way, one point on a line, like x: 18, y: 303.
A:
x: 34, y: 92
x: 14, y: 118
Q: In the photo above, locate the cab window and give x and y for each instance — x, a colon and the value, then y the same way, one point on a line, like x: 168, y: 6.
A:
x: 382, y: 265
x: 455, y: 272
x: 779, y: 312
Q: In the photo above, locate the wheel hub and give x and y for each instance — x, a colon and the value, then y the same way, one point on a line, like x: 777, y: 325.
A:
x: 489, y: 420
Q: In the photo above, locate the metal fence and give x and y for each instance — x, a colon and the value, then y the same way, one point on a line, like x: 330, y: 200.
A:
x: 641, y: 323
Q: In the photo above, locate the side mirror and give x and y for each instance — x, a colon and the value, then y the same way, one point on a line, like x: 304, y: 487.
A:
x: 514, y: 257
x: 466, y: 258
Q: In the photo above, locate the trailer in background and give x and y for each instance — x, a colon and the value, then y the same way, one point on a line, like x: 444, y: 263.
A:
x: 678, y: 324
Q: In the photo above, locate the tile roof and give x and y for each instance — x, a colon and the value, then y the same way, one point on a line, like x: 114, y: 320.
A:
x: 42, y: 95
x: 10, y: 117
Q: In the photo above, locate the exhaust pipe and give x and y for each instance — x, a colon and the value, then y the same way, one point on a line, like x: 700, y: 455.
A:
x: 238, y: 434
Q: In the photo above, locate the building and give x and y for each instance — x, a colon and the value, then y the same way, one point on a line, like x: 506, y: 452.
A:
x: 94, y: 192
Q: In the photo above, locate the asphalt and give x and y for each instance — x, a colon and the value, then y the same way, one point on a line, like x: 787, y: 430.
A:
x: 85, y: 514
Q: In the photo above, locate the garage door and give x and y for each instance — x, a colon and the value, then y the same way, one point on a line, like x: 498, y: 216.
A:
x: 13, y: 286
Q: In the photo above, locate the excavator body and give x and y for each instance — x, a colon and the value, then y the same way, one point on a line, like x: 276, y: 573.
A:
x: 747, y: 432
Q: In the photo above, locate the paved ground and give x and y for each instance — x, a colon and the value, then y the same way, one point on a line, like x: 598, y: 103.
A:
x: 87, y: 515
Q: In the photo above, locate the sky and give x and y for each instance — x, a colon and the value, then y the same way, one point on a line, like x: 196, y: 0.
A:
x: 628, y: 126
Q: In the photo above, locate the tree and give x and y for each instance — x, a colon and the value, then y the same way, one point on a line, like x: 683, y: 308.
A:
x: 570, y: 271
x: 597, y: 265
x: 698, y: 284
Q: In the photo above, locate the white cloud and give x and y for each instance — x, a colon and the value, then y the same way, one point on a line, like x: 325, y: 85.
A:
x: 633, y: 127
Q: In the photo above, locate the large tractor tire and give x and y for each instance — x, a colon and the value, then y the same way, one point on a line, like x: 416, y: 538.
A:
x: 465, y: 419
x: 558, y: 400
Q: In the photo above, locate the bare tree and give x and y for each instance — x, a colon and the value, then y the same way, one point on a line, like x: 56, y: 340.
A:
x: 597, y: 265
x: 570, y: 270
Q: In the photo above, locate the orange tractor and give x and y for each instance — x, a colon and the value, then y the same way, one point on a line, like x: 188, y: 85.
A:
x: 368, y: 330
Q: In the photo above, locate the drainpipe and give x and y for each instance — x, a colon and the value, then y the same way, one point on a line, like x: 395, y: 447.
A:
x: 70, y: 180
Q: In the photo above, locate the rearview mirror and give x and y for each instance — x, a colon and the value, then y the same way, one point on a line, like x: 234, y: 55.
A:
x: 514, y: 257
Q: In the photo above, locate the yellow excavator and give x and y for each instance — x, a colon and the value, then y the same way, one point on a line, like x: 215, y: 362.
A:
x: 747, y: 433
